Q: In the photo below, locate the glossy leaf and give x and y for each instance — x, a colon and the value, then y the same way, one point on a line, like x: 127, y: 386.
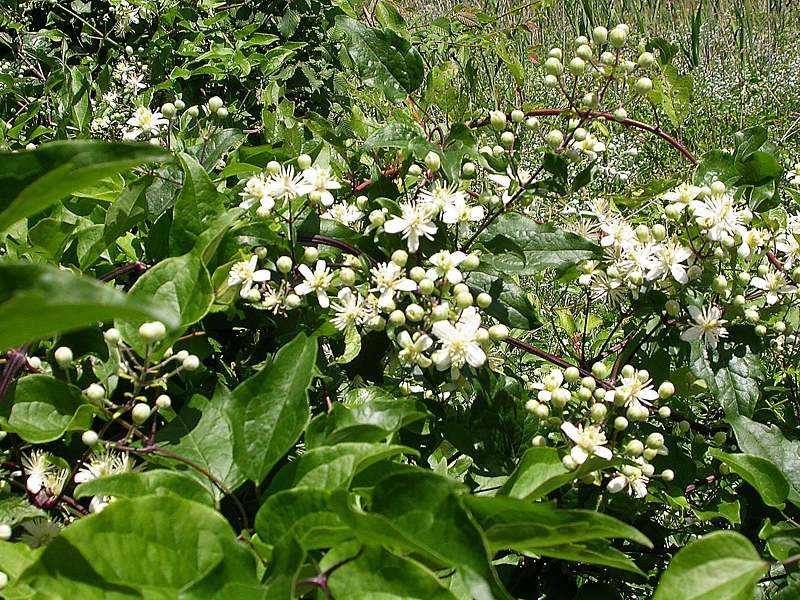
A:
x: 198, y: 204
x: 156, y: 482
x: 759, y: 472
x: 510, y: 304
x: 732, y: 378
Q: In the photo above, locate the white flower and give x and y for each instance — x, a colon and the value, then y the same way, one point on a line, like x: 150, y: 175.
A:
x: 344, y: 213
x: 445, y: 265
x: 461, y: 213
x: 414, y: 223
x: 103, y: 465
x: 667, y: 260
x: 38, y: 532
x: 317, y: 281
x: 617, y: 232
x: 459, y: 342
x: 588, y: 441
x: 440, y: 197
x: 349, y: 309
x: 590, y: 145
x: 682, y: 195
x: 793, y: 176
x: 636, y: 261
x: 413, y: 349
x: 390, y: 279
x: 630, y: 479
x: 145, y: 121
x: 37, y: 469
x: 717, y: 214
x: 790, y: 249
x: 245, y: 273
x: 607, y: 289
x: 709, y: 326
x: 773, y: 284
x: 255, y: 192
x: 635, y: 391
x: 322, y: 181
x: 285, y: 185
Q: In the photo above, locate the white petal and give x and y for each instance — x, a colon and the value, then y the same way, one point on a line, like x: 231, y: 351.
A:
x: 579, y: 455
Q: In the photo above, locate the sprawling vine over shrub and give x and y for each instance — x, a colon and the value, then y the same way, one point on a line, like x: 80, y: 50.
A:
x: 286, y: 317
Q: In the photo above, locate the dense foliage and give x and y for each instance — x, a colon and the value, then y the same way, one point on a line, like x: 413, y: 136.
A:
x: 301, y: 300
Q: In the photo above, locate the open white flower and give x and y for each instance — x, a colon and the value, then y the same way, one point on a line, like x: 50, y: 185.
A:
x: 607, y: 289
x: 774, y: 283
x: 752, y: 240
x: 709, y: 326
x: 244, y: 272
x: 617, y: 232
x: 630, y: 479
x: 440, y: 198
x: 413, y: 348
x: 589, y: 441
x: 461, y: 213
x: 100, y: 465
x: 459, y: 342
x: 39, y: 532
x: 145, y: 121
x: 717, y: 214
x: 390, y: 279
x: 285, y: 185
x: 344, y: 213
x: 668, y: 259
x: 682, y: 195
x: 317, y: 281
x: 255, y: 192
x: 37, y: 469
x: 349, y: 309
x: 414, y: 223
x: 321, y: 180
x: 635, y: 391
x: 445, y: 264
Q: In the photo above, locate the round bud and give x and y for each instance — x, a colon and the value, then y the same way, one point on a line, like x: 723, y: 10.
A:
x: 647, y: 469
x: 555, y: 53
x: 666, y: 390
x: 571, y: 374
x: 273, y: 167
x: 180, y: 104
x: 483, y: 300
x: 35, y: 363
x: 293, y: 301
x: 498, y: 150
x: 5, y: 532
x: 667, y: 474
x: 617, y: 37
x: 440, y: 312
x: 599, y: 35
x: 608, y: 58
x: 497, y: 118
x: 719, y: 284
x: 539, y: 441
x: 415, y: 170
x: 377, y: 218
x: 347, y: 276
x: 433, y: 161
x: 517, y: 116
x: 483, y: 338
x: 761, y: 330
x: 694, y: 271
x: 310, y: 255
x: 654, y: 440
x: 112, y: 335
x: 531, y: 405
x: 659, y: 232
x: 460, y: 288
x: 673, y: 308
x: 763, y: 270
x: 397, y: 318
x: 589, y: 382
x: 181, y: 355
x: 152, y: 331
x: 598, y: 411
x: 168, y: 110
x: 63, y: 356
x: 720, y: 437
x: 553, y: 66
x: 386, y: 305
x: 569, y: 463
x: 140, y: 413
x: 542, y: 411
x: 470, y: 263
x: 577, y: 66
x: 560, y: 397
x: 284, y: 264
x: 468, y: 169
x: 95, y: 392
x: 664, y: 412
x: 193, y: 112
x: 163, y: 401
x: 362, y: 202
x: 643, y: 86
x: 718, y: 188
x: 252, y: 295
x: 417, y: 274
x: 550, y: 81
x: 599, y: 394
x: 599, y: 370
x: 191, y: 363
x: 646, y: 60
x: 415, y: 312
x: 650, y: 453
x: 684, y: 426
x: 304, y: 161
x: 584, y: 52
x: 634, y: 448
x: 554, y: 138
x: 673, y: 211
x: 584, y: 394
x: 89, y: 437
x: 507, y: 139
x: 620, y: 114
x: 400, y: 258
x: 579, y: 134
x: 643, y: 233
x: 498, y: 332
x: 532, y: 123
x: 719, y: 252
x: 620, y: 423
x: 215, y: 103
x: 779, y: 327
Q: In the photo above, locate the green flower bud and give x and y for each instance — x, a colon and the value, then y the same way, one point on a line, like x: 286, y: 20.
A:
x: 89, y: 437
x: 497, y: 118
x: 599, y: 370
x: 634, y: 448
x: 310, y: 255
x: 577, y: 66
x: 440, y: 312
x: 550, y: 81
x: 598, y: 412
x: 168, y: 110
x: 571, y: 374
x: 517, y: 116
x: 140, y: 413
x: 666, y: 390
x: 617, y: 37
x: 600, y: 35
x: 761, y: 330
x: 215, y: 103
x: 620, y: 423
x: 163, y: 401
x: 498, y: 332
x: 468, y: 169
x: 667, y: 474
x: 415, y: 170
x: 221, y: 113
x: 643, y: 86
x: 673, y: 308
x: 433, y: 161
x: 293, y: 301
x: 665, y: 412
x: 470, y: 263
x: 400, y: 258
x: 284, y: 264
x: 553, y: 66
x: 483, y: 300
x: 193, y: 111
x: 180, y: 104
x: 532, y: 123
x: 554, y: 139
x: 654, y: 440
x: 347, y: 276
x: 620, y: 114
x: 153, y: 331
x: 584, y: 52
x: 304, y: 161
x: 95, y: 392
x: 507, y: 139
x: 397, y: 318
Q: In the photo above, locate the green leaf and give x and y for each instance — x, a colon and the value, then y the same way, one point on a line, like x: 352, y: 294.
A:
x: 269, y: 411
x: 722, y: 565
x: 715, y: 165
x: 759, y: 472
x: 543, y: 246
x: 331, y: 467
x: 32, y: 181
x: 593, y: 552
x: 402, y: 137
x: 759, y: 168
x: 176, y: 543
x: 539, y: 472
x: 39, y: 301
x: 158, y: 482
x: 127, y: 211
x: 732, y: 377
x: 15, y: 557
x: 515, y: 524
x: 42, y: 408
x: 749, y: 140
x: 352, y: 347
x: 367, y: 414
x: 510, y: 304
x: 768, y: 442
x: 198, y: 204
x: 15, y: 509
x: 385, y: 61
x: 202, y: 433
x: 179, y: 283
x: 378, y: 573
